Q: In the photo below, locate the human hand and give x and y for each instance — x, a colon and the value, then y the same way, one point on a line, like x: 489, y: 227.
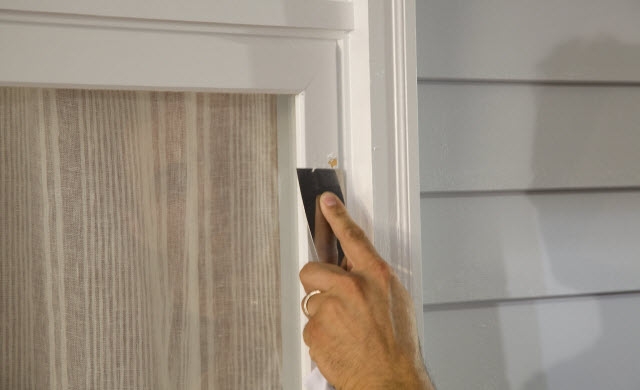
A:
x: 361, y: 331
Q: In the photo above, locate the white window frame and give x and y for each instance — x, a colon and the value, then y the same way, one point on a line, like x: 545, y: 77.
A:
x: 319, y: 52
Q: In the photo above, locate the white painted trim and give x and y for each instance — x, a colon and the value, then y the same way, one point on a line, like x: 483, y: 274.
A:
x: 396, y: 179
x: 289, y: 256
x: 104, y: 57
x: 164, y: 25
x: 321, y: 14
x: 356, y: 119
x: 406, y: 93
x: 89, y: 56
x: 380, y: 137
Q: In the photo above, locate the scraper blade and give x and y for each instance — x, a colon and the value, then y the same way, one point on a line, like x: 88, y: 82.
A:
x: 313, y: 183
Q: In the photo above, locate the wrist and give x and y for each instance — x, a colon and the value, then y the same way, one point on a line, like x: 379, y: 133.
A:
x: 408, y: 383
x: 400, y: 378
x: 416, y: 379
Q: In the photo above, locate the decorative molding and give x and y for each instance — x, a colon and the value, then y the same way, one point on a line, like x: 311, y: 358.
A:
x: 289, y: 248
x: 112, y: 22
x: 396, y: 180
x: 380, y: 136
x: 406, y: 93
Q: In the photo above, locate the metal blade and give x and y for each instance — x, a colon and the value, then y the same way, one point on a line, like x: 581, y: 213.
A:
x: 313, y: 183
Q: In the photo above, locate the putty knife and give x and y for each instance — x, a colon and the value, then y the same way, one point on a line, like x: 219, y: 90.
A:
x: 313, y: 183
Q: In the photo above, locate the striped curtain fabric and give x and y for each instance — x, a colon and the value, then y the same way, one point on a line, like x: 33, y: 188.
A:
x: 138, y: 240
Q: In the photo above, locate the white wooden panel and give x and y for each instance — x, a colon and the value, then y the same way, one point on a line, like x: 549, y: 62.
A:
x: 479, y: 136
x: 529, y: 39
x: 76, y: 56
x: 574, y: 344
x: 325, y: 14
x: 512, y: 246
x: 70, y: 55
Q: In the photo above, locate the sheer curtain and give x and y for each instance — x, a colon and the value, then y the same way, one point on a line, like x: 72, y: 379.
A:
x: 138, y: 240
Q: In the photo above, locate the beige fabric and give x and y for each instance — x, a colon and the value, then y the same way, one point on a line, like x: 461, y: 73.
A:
x: 138, y: 240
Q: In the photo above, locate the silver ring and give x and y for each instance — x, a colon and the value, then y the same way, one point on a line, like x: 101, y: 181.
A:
x: 305, y: 301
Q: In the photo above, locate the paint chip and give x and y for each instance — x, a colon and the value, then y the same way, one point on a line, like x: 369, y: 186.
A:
x: 332, y: 160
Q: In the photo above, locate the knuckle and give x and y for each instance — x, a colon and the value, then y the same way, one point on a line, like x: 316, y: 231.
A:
x: 340, y: 212
x: 331, y: 307
x: 354, y: 233
x: 382, y: 272
x: 308, y: 333
x: 319, y: 353
x: 301, y: 273
x: 351, y: 285
x: 312, y: 354
x: 306, y: 271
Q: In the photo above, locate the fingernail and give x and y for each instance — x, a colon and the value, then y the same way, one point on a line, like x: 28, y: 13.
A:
x: 329, y: 199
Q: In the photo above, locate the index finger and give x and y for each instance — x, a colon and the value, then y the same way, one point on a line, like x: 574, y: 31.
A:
x: 324, y: 239
x: 355, y: 243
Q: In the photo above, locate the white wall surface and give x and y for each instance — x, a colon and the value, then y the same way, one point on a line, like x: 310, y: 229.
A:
x: 529, y: 116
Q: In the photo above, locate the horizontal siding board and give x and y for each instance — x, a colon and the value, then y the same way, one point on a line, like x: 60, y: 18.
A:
x: 529, y: 156
x: 485, y: 136
x: 565, y: 344
x: 536, y: 245
x: 529, y: 39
